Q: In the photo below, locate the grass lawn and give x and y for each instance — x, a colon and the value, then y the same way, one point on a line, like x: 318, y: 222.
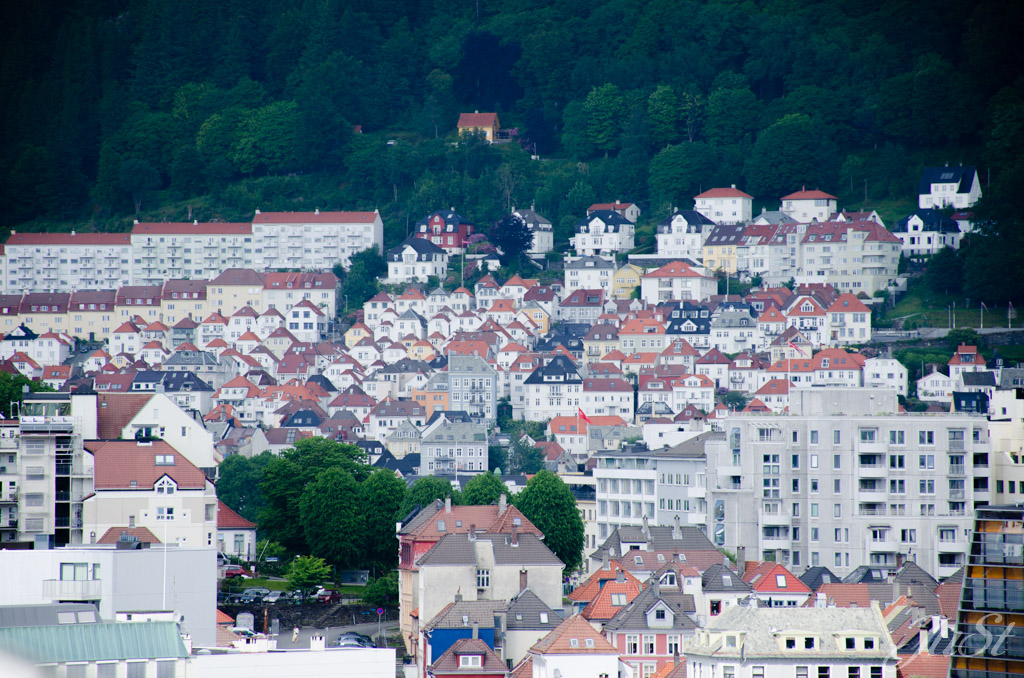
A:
x: 921, y: 308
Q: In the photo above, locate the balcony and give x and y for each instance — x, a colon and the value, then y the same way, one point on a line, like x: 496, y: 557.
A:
x: 956, y: 446
x: 957, y: 493
x: 776, y: 543
x: 956, y: 470
x: 775, y: 519
x: 71, y: 590
x: 872, y: 495
x: 872, y: 471
x: 46, y: 425
x: 67, y: 521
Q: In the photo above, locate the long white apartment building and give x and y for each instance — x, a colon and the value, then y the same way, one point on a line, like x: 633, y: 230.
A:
x: 65, y: 262
x: 845, y: 480
x: 313, y: 240
x: 165, y: 251
x: 155, y: 252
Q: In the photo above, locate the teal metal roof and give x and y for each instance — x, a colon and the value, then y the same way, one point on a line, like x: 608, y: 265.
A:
x: 94, y: 642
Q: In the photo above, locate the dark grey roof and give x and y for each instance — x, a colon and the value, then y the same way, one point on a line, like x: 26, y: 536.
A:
x: 634, y: 615
x: 688, y: 538
x: 425, y: 250
x: 962, y: 175
x: 191, y: 358
x: 464, y: 613
x: 405, y: 366
x: 611, y: 219
x: 978, y: 378
x: 458, y: 549
x: 52, y: 614
x: 558, y: 371
x: 183, y: 381
x: 690, y: 217
x: 815, y: 576
x: 584, y: 263
x: 931, y: 219
x: 689, y: 449
x: 726, y: 234
x: 533, y: 219
x: 524, y: 613
x: 453, y: 416
x: 719, y: 578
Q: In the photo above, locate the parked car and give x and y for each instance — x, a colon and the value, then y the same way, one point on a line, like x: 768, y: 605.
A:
x: 352, y: 635
x: 254, y: 595
x: 329, y: 596
x: 232, y: 571
x: 277, y: 597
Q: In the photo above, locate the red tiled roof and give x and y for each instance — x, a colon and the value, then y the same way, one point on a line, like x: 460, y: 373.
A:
x: 809, y: 195
x: 128, y: 464
x: 229, y: 520
x: 73, y: 238
x: 923, y: 666
x: 478, y: 120
x: 723, y: 193
x: 142, y: 534
x: 115, y: 410
x: 762, y: 578
x: 211, y: 228
x: 316, y: 217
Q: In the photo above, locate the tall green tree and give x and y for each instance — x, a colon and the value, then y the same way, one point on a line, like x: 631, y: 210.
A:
x: 331, y: 516
x: 785, y: 157
x: 286, y: 477
x: 512, y: 236
x: 307, y: 573
x: 550, y: 505
x: 663, y: 112
x: 382, y: 496
x: 239, y: 482
x: 426, y: 490
x: 138, y: 179
x: 484, y: 489
x: 605, y: 114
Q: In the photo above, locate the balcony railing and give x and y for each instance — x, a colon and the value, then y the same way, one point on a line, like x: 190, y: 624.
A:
x: 956, y: 469
x: 956, y: 493
x: 84, y: 589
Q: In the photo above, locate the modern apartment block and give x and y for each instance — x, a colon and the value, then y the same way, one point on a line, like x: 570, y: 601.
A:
x: 634, y: 484
x: 846, y: 479
x: 65, y: 262
x: 990, y: 623
x: 198, y: 251
x: 54, y: 473
x: 313, y: 240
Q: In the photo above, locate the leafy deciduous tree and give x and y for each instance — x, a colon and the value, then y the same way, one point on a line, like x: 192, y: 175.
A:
x: 550, y: 505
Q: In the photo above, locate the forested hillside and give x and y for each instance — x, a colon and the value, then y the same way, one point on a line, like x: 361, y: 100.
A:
x: 207, y: 110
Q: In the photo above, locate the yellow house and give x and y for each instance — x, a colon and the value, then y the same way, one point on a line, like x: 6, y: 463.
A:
x: 473, y: 123
x: 233, y: 289
x: 722, y: 247
x: 357, y: 333
x: 184, y: 299
x: 599, y: 342
x: 92, y: 314
x: 625, y: 280
x: 422, y: 350
x: 44, y: 312
x: 537, y: 316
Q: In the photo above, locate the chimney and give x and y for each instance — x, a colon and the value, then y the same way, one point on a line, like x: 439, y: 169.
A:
x: 472, y: 532
x: 647, y: 531
x: 676, y: 532
x: 448, y: 504
x: 476, y: 630
x: 515, y: 536
x: 741, y: 559
x: 458, y: 596
x: 922, y: 641
x: 734, y: 185
x: 195, y: 222
x: 316, y: 642
x: 502, y: 504
x: 317, y: 212
x: 820, y: 600
x: 73, y: 232
x: 524, y: 577
x: 944, y: 627
x: 620, y: 576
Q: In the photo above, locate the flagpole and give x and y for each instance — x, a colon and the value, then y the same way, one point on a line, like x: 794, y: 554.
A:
x: 982, y: 316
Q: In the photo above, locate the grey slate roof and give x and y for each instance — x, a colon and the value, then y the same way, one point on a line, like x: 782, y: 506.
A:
x: 661, y: 539
x: 425, y: 250
x: 689, y: 449
x: 634, y: 615
x: 762, y: 627
x: 932, y: 220
x: 815, y: 576
x: 52, y: 614
x: 584, y: 263
x: 458, y: 549
x: 464, y: 613
x: 524, y: 610
x: 720, y: 579
x: 962, y: 175
x: 979, y: 378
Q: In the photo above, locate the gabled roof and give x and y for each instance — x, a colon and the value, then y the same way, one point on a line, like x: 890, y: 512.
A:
x: 675, y: 269
x: 478, y: 119
x: 575, y: 635
x: 229, y: 520
x: 723, y: 193
x: 764, y: 577
x: 962, y: 175
x: 449, y: 663
x: 129, y: 464
x: 814, y: 194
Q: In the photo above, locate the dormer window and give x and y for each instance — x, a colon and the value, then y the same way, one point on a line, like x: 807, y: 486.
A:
x: 471, y: 660
x: 164, y: 486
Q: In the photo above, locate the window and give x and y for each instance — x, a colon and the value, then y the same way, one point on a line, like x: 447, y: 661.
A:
x: 837, y: 510
x: 801, y: 672
x: 166, y: 669
x: 809, y: 642
x: 729, y: 671
x: 926, y: 486
x: 926, y: 437
x: 757, y: 672
x: 619, y: 599
x: 165, y: 513
x: 854, y: 672
x: 649, y: 644
x: 837, y: 486
x: 851, y: 644
x: 837, y: 461
x: 926, y: 461
x: 897, y: 461
x: 836, y: 438
x: 470, y: 660
x: 780, y: 581
x: 867, y: 435
x: 814, y: 461
x: 137, y: 669
x: 632, y: 644
x: 106, y: 670
x: 814, y: 510
x: 814, y: 437
x: 869, y: 644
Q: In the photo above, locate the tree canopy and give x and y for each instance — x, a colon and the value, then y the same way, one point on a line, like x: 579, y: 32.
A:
x: 550, y: 505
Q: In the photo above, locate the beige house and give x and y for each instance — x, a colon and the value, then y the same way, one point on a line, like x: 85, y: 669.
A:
x: 149, y: 485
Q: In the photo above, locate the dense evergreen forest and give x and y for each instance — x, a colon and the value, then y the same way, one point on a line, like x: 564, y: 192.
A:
x: 191, y: 109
